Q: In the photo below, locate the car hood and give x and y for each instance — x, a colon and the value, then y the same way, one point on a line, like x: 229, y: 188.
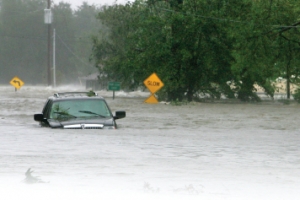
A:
x: 81, y: 123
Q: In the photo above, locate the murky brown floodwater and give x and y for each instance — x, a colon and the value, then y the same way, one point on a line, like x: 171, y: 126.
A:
x: 194, y: 151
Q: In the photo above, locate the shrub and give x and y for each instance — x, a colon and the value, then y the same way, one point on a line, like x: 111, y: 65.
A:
x: 296, y: 95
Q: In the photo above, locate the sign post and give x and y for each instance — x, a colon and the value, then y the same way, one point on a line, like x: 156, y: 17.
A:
x: 16, y: 82
x: 114, y: 86
x: 153, y: 83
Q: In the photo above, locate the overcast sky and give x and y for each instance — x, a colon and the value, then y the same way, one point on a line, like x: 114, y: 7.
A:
x: 76, y: 3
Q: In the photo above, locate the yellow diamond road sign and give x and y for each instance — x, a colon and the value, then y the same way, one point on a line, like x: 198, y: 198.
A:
x: 16, y: 82
x: 151, y: 99
x: 153, y: 83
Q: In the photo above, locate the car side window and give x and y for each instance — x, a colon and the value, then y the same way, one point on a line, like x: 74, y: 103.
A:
x: 47, y: 108
x: 106, y: 109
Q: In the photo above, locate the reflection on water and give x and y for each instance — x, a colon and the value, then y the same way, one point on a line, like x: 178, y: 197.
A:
x: 194, y: 151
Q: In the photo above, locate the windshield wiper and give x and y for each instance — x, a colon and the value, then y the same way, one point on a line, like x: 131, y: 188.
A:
x: 92, y: 113
x: 66, y: 114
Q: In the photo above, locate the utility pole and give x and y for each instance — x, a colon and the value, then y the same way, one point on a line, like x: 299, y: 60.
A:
x: 54, y: 70
x: 288, y: 87
x: 49, y: 42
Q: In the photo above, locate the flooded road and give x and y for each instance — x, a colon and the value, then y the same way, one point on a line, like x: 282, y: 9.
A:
x: 161, y: 151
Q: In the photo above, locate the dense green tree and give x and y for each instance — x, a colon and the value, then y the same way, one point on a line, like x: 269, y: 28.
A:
x: 260, y: 52
x: 190, y: 54
x: 287, y: 41
x: 196, y: 47
x: 209, y: 47
x: 112, y: 46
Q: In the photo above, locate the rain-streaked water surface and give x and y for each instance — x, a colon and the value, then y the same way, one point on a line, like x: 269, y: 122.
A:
x: 160, y: 151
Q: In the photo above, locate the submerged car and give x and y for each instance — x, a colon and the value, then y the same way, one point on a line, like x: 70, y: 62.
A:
x: 78, y: 110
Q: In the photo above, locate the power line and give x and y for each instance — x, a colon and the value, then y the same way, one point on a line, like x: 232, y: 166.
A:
x: 221, y: 19
x: 15, y: 13
x: 69, y: 49
x: 26, y: 37
x: 170, y: 10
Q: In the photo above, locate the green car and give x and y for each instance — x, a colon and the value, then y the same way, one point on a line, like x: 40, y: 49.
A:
x: 78, y: 110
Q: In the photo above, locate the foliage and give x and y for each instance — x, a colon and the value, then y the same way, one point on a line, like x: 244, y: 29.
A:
x: 110, y: 49
x: 91, y: 93
x: 212, y: 47
x: 296, y: 95
x: 190, y: 53
x: 198, y: 48
x: 261, y: 53
x: 176, y: 102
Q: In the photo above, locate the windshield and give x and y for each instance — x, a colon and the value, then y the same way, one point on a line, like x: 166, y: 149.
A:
x: 79, y: 108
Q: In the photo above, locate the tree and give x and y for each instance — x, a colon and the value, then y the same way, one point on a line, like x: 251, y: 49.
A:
x: 112, y: 47
x: 213, y: 47
x: 260, y: 49
x: 85, y: 27
x: 189, y: 53
x: 286, y: 40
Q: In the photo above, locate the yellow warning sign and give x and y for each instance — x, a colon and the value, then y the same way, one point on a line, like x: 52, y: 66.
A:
x: 16, y: 82
x: 153, y: 83
x: 151, y: 99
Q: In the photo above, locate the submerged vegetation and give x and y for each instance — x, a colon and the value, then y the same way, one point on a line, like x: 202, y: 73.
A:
x: 297, y: 95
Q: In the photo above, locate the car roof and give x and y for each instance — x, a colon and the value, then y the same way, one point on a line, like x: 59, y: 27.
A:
x: 75, y: 95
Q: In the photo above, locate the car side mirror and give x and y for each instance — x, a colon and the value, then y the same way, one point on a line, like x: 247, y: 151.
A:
x: 120, y: 114
x: 38, y: 117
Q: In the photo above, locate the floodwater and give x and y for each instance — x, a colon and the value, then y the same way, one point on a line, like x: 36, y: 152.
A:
x: 160, y: 151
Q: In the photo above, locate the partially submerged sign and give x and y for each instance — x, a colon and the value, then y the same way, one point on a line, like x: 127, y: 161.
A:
x: 153, y: 83
x: 16, y: 82
x: 114, y: 86
x: 151, y: 99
